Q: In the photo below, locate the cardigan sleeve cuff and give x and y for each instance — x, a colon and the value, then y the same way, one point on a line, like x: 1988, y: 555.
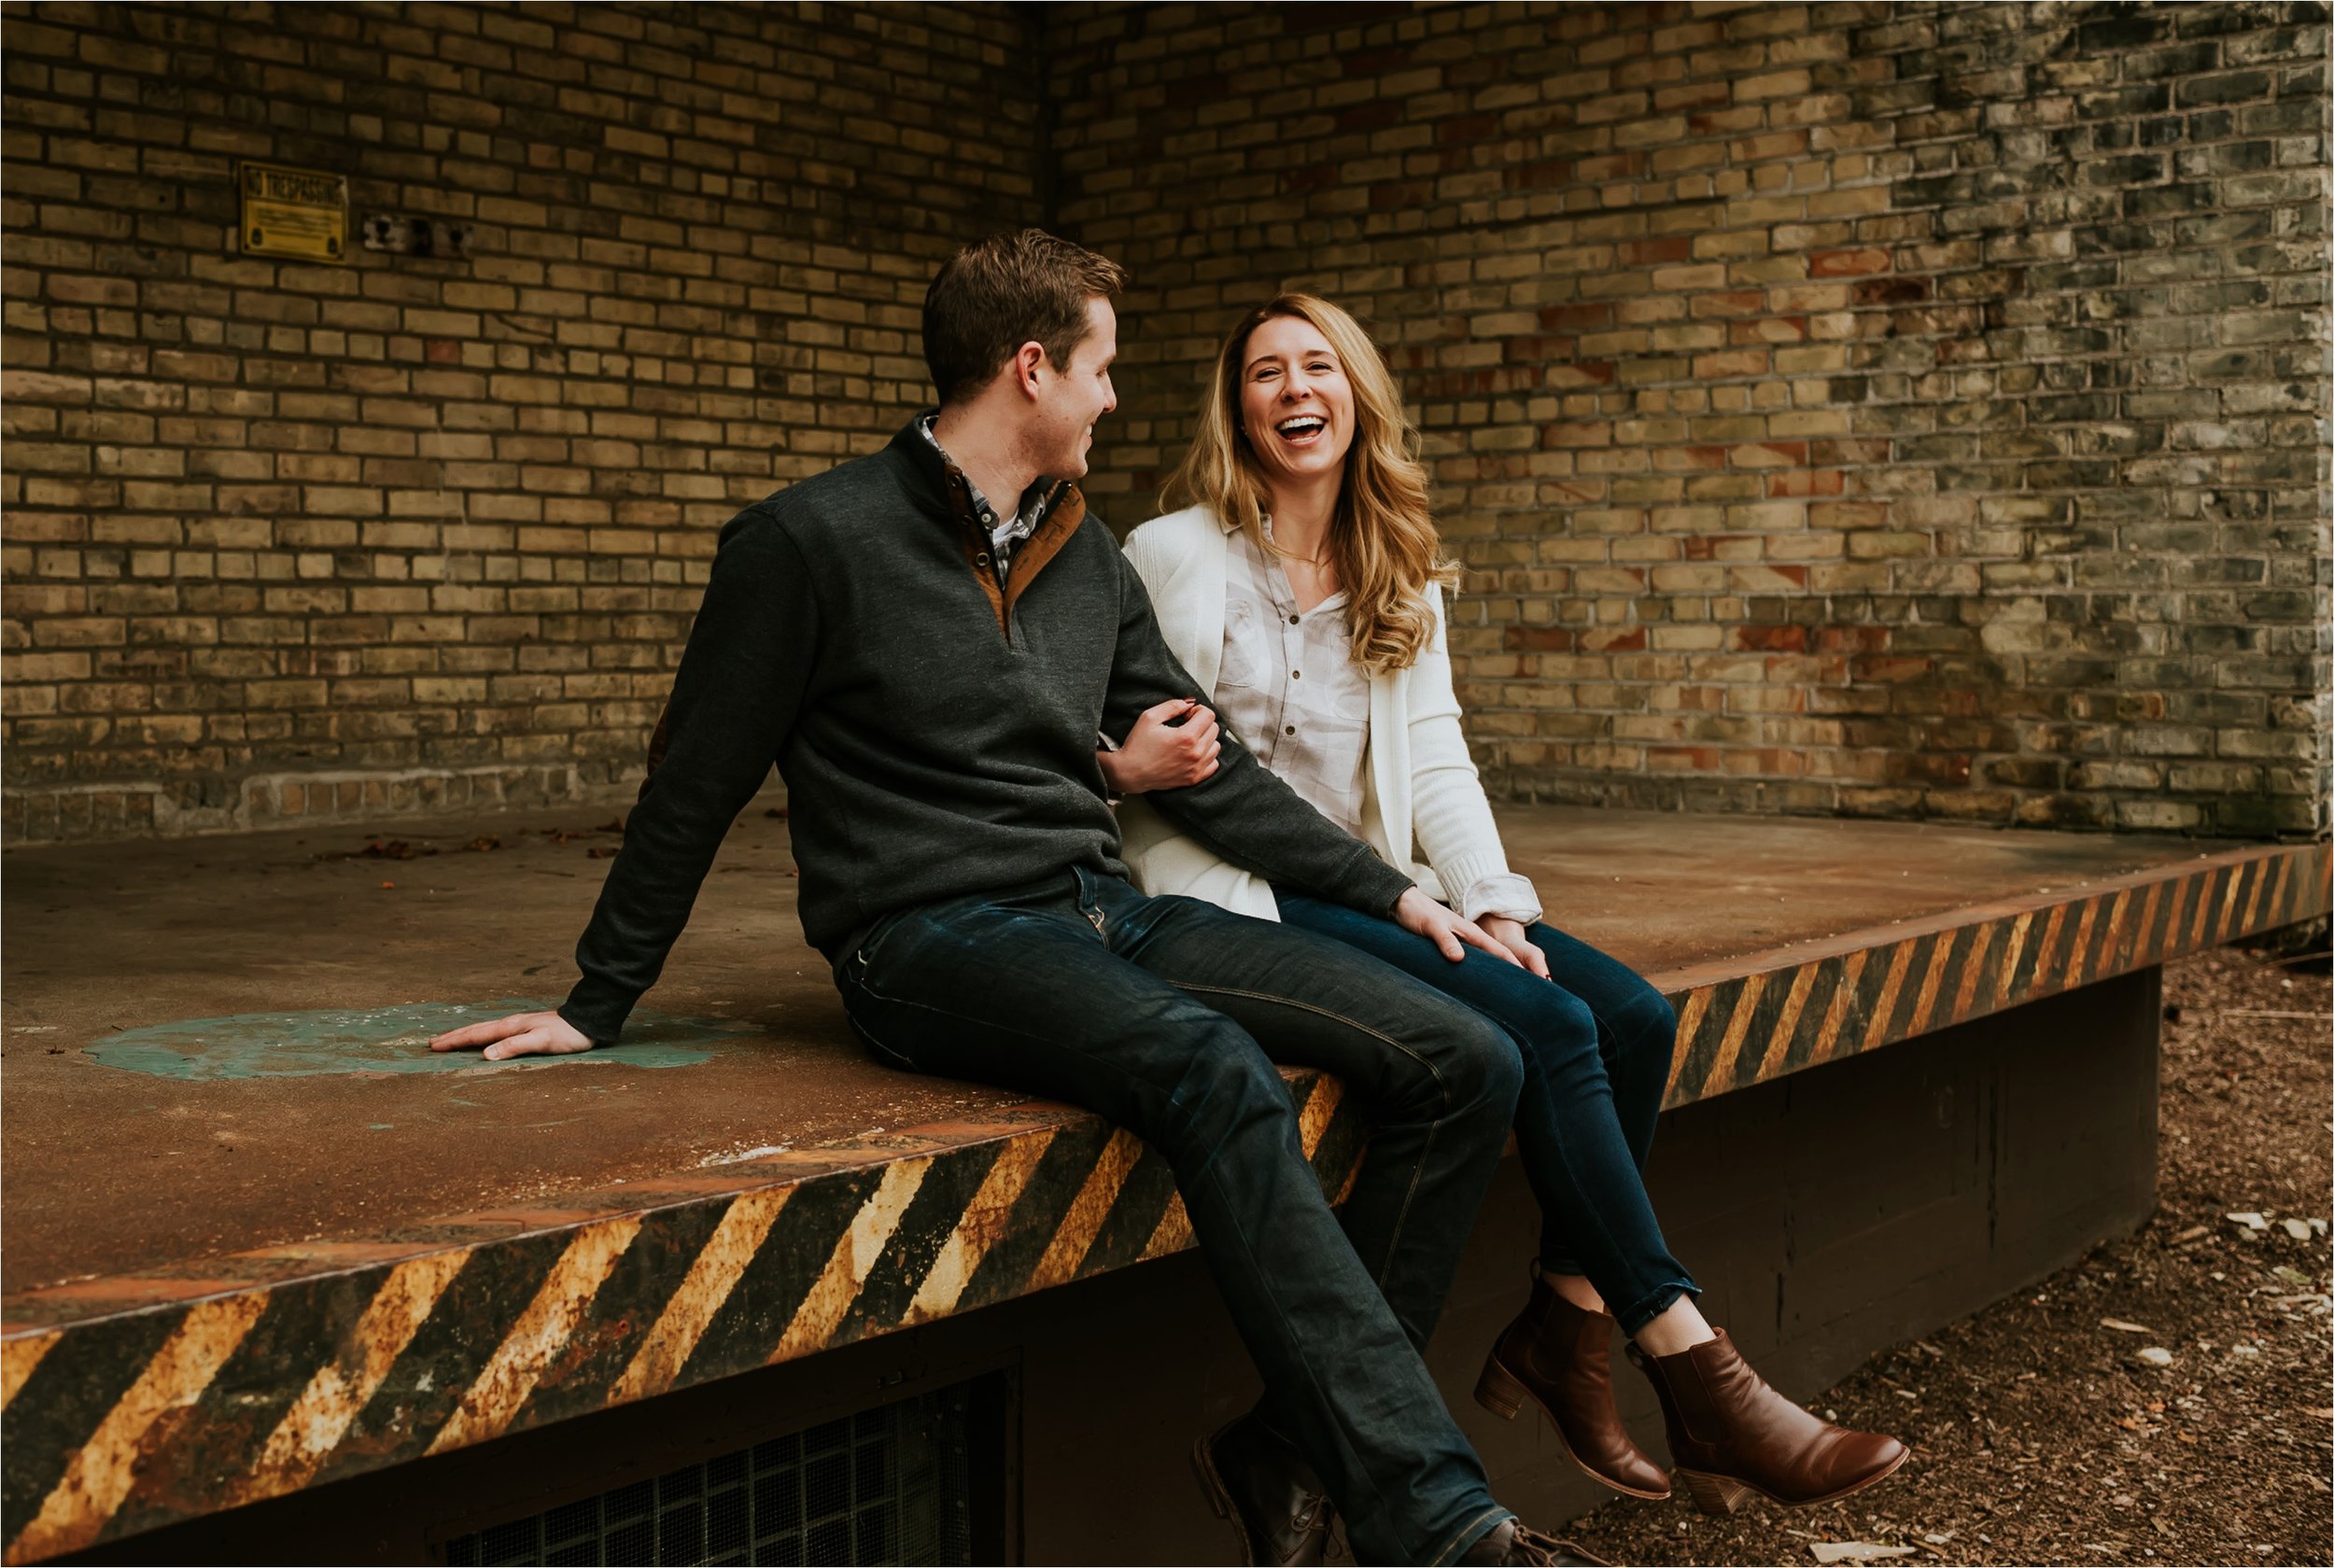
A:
x: 1503, y: 893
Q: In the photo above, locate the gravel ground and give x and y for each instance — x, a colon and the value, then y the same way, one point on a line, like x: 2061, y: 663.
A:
x: 2193, y: 1427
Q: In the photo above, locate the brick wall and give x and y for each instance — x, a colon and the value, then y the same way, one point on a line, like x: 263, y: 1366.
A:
x: 1903, y: 410
x: 1883, y: 409
x: 286, y: 538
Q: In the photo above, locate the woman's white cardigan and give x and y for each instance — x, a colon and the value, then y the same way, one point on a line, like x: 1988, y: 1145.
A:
x: 1422, y: 799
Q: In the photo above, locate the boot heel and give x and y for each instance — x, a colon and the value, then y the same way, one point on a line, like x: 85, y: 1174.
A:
x: 1498, y: 1392
x: 1713, y: 1494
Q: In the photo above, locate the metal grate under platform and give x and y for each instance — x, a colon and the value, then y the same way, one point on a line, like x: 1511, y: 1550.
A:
x: 888, y: 1485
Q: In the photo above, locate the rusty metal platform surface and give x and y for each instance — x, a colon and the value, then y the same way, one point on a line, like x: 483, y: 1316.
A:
x: 221, y: 1286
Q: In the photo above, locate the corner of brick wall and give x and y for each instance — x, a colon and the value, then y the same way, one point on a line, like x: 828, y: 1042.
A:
x: 282, y: 537
x: 1892, y: 409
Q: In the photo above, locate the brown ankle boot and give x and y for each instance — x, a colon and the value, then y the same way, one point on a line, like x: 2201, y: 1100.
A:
x: 1730, y: 1434
x: 1560, y: 1357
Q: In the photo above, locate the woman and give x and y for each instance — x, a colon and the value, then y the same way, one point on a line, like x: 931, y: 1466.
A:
x: 1301, y: 585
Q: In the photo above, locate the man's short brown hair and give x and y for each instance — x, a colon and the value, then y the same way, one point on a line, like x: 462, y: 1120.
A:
x: 996, y: 294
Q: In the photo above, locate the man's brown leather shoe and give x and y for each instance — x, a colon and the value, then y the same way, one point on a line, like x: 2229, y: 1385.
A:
x: 1560, y: 1357
x: 1512, y: 1542
x: 1730, y: 1434
x: 1258, y: 1481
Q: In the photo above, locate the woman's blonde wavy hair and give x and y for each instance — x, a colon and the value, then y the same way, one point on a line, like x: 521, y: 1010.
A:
x: 1382, y: 537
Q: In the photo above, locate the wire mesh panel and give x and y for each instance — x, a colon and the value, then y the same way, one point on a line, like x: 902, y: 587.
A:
x: 888, y: 1485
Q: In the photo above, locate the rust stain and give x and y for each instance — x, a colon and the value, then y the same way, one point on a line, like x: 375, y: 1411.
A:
x: 984, y: 1222
x: 18, y: 1357
x: 1730, y: 1044
x: 101, y: 1474
x: 712, y: 1274
x: 1835, y: 1017
x: 847, y: 1266
x: 319, y: 1418
x: 1084, y: 1220
x: 510, y: 1375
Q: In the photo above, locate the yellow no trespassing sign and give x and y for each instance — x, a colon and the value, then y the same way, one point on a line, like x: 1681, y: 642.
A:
x: 294, y: 212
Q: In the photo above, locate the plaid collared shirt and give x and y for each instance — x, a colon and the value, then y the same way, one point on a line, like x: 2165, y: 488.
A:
x: 1005, y: 534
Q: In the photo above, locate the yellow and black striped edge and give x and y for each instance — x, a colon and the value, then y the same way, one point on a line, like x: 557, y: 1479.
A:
x: 134, y: 1402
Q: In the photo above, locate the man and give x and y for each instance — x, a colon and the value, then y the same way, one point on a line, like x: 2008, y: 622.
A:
x: 926, y: 642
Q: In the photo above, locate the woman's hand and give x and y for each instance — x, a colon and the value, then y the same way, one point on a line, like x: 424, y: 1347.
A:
x: 521, y: 1034
x: 1449, y: 931
x: 1161, y: 753
x: 1510, y: 934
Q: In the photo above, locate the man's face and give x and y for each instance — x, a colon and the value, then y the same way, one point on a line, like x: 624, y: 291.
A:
x: 1072, y: 398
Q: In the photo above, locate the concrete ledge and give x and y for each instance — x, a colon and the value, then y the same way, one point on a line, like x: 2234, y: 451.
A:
x: 137, y: 1399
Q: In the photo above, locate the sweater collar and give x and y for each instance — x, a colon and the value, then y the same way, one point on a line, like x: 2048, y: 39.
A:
x: 940, y: 486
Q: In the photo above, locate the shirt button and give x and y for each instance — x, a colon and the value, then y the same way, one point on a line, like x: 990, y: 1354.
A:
x: 1296, y: 674
x: 1294, y: 619
x: 1292, y: 729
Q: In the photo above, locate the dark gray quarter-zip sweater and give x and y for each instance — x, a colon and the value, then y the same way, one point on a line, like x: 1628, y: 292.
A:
x: 935, y: 728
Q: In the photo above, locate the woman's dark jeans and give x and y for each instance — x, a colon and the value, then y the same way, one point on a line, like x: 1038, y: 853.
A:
x: 1597, y: 1042
x: 1165, y: 1015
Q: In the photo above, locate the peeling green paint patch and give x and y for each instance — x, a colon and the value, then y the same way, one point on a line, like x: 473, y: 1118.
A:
x: 369, y: 1043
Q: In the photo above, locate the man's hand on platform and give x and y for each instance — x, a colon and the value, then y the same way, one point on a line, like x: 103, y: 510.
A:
x: 521, y: 1034
x: 1449, y: 931
x: 1510, y: 934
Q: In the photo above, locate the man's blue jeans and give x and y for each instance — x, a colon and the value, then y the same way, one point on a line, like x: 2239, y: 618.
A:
x: 1165, y: 1015
x: 1597, y: 1042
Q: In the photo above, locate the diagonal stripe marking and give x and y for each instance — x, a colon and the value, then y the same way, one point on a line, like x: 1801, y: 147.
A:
x: 2103, y: 962
x: 2144, y: 926
x: 1894, y: 981
x: 2277, y: 894
x: 1082, y: 1222
x: 713, y: 1273
x: 1779, y: 1039
x: 2203, y: 908
x: 319, y: 1418
x: 510, y: 1375
x: 2170, y: 945
x: 1940, y: 954
x: 1835, y: 1015
x: 983, y: 1222
x: 18, y: 1357
x: 2038, y: 983
x: 1314, y: 1119
x: 1689, y: 1021
x: 854, y: 1258
x: 2010, y: 955
x: 2253, y: 900
x: 2228, y: 904
x: 2079, y: 945
x: 99, y: 1476
x: 1973, y: 970
x: 1737, y: 1023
